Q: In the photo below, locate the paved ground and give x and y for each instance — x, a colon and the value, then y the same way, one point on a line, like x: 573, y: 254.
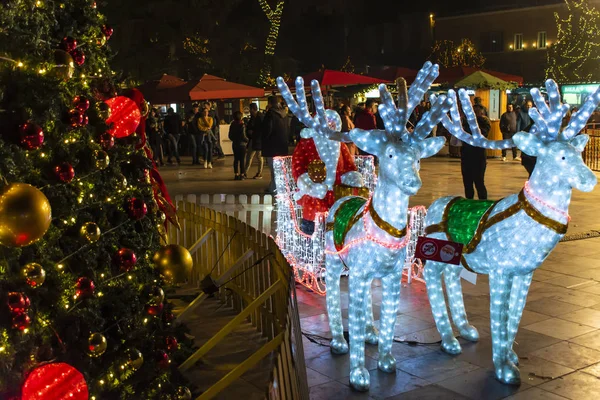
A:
x: 559, y: 337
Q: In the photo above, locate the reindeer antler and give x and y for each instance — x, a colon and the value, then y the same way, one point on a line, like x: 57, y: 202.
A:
x: 396, y: 118
x: 455, y: 127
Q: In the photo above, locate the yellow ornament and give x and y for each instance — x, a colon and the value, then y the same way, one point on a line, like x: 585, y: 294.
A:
x: 64, y: 66
x: 317, y: 172
x: 90, y: 232
x: 144, y: 109
x: 96, y: 345
x: 161, y: 217
x: 174, y: 263
x: 183, y: 393
x: 135, y: 359
x: 155, y: 295
x: 101, y: 159
x: 25, y: 215
x: 34, y: 274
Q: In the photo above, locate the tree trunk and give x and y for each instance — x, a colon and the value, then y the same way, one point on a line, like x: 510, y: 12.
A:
x: 274, y: 17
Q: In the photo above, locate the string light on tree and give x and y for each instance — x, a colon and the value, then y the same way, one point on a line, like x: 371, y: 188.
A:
x: 274, y: 17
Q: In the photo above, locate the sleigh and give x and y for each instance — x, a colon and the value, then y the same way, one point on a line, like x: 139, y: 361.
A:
x: 306, y: 253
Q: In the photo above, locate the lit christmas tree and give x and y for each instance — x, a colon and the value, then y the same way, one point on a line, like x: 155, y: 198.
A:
x: 576, y: 54
x: 446, y: 53
x: 82, y: 208
x: 274, y: 17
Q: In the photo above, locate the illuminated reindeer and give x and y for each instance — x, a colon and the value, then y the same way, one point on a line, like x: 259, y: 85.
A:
x: 369, y: 236
x: 508, y: 239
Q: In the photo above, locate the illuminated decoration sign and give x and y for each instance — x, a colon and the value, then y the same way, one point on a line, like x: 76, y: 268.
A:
x: 513, y: 236
x: 439, y: 250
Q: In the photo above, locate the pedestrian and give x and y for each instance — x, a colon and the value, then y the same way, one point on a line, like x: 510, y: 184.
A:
x: 478, y: 102
x: 366, y: 119
x: 524, y: 124
x: 420, y: 110
x: 172, y: 126
x: 275, y: 135
x: 194, y: 134
x: 473, y: 160
x: 154, y: 132
x: 237, y: 135
x: 347, y: 126
x: 212, y: 112
x: 360, y: 107
x: 205, y: 124
x: 508, y: 127
x: 254, y: 133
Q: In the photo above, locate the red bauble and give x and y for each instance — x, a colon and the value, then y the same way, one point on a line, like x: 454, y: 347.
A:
x: 107, y: 141
x: 21, y: 321
x: 125, y: 259
x: 85, y: 287
x: 68, y: 44
x: 85, y: 120
x: 31, y: 136
x: 78, y: 56
x: 136, y: 208
x: 171, y: 343
x: 162, y: 359
x: 168, y: 317
x: 124, y: 118
x: 18, y: 302
x: 55, y: 381
x: 107, y: 31
x: 75, y: 118
x: 64, y: 172
x: 154, y: 309
x: 81, y: 103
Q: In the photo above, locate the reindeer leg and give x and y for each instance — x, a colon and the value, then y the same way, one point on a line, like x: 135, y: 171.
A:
x: 389, y: 308
x: 359, y: 375
x: 500, y: 287
x: 338, y: 344
x: 371, y: 334
x: 433, y: 279
x: 518, y: 296
x: 457, y: 304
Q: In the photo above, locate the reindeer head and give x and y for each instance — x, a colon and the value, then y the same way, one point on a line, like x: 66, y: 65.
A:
x: 558, y: 152
x: 399, y: 150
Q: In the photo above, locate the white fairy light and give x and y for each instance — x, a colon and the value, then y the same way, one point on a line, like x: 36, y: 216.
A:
x: 526, y: 228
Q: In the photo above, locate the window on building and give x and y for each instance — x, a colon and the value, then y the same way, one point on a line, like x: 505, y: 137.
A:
x: 542, y: 42
x: 518, y: 42
x: 491, y: 42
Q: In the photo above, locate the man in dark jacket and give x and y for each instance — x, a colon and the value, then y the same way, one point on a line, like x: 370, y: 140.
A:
x: 172, y: 126
x: 253, y: 131
x: 524, y: 124
x: 275, y: 134
x: 508, y: 127
x: 473, y: 161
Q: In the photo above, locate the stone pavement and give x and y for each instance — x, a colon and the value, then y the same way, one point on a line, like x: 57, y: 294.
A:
x: 559, y: 336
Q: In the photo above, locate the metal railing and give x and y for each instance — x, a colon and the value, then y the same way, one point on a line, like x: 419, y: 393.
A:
x: 249, y: 265
x: 591, y: 153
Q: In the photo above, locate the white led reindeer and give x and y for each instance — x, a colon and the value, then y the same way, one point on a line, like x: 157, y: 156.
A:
x: 369, y: 236
x: 510, y: 238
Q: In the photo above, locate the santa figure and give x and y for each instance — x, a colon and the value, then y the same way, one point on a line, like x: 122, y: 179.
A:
x: 324, y: 171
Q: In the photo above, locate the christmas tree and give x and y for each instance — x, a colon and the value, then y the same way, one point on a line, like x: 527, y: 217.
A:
x: 448, y: 54
x: 576, y: 54
x: 82, y: 212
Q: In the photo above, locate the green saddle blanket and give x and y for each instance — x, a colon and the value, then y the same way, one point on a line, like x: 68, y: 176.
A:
x: 464, y: 216
x: 345, y: 217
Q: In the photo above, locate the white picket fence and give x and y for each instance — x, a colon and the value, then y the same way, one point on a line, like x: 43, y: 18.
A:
x: 254, y: 210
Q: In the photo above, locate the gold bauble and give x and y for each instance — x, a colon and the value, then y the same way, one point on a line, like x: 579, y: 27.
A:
x: 25, y: 215
x: 103, y: 110
x: 174, y: 263
x: 183, y: 393
x: 64, y: 66
x: 34, y: 274
x: 161, y: 216
x: 96, y: 345
x: 135, y: 359
x: 90, y: 232
x: 101, y: 159
x: 156, y: 295
x: 144, y: 109
x: 317, y: 172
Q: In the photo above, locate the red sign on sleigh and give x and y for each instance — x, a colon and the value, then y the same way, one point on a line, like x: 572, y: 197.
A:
x: 438, y: 250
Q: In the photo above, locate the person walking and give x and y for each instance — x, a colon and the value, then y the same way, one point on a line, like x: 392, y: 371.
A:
x: 478, y: 102
x: 366, y: 120
x: 239, y: 141
x: 275, y: 133
x: 172, y: 126
x: 473, y: 160
x: 194, y: 134
x: 205, y: 124
x: 212, y: 112
x: 508, y: 127
x: 253, y: 131
x: 347, y: 126
x: 524, y: 124
x: 154, y: 131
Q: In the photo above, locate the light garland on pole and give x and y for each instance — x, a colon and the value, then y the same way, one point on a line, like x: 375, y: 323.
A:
x: 274, y: 17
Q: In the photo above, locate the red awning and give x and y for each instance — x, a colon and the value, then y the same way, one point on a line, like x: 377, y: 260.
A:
x: 454, y: 74
x: 166, y: 90
x: 393, y: 73
x: 330, y: 77
x: 211, y: 87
